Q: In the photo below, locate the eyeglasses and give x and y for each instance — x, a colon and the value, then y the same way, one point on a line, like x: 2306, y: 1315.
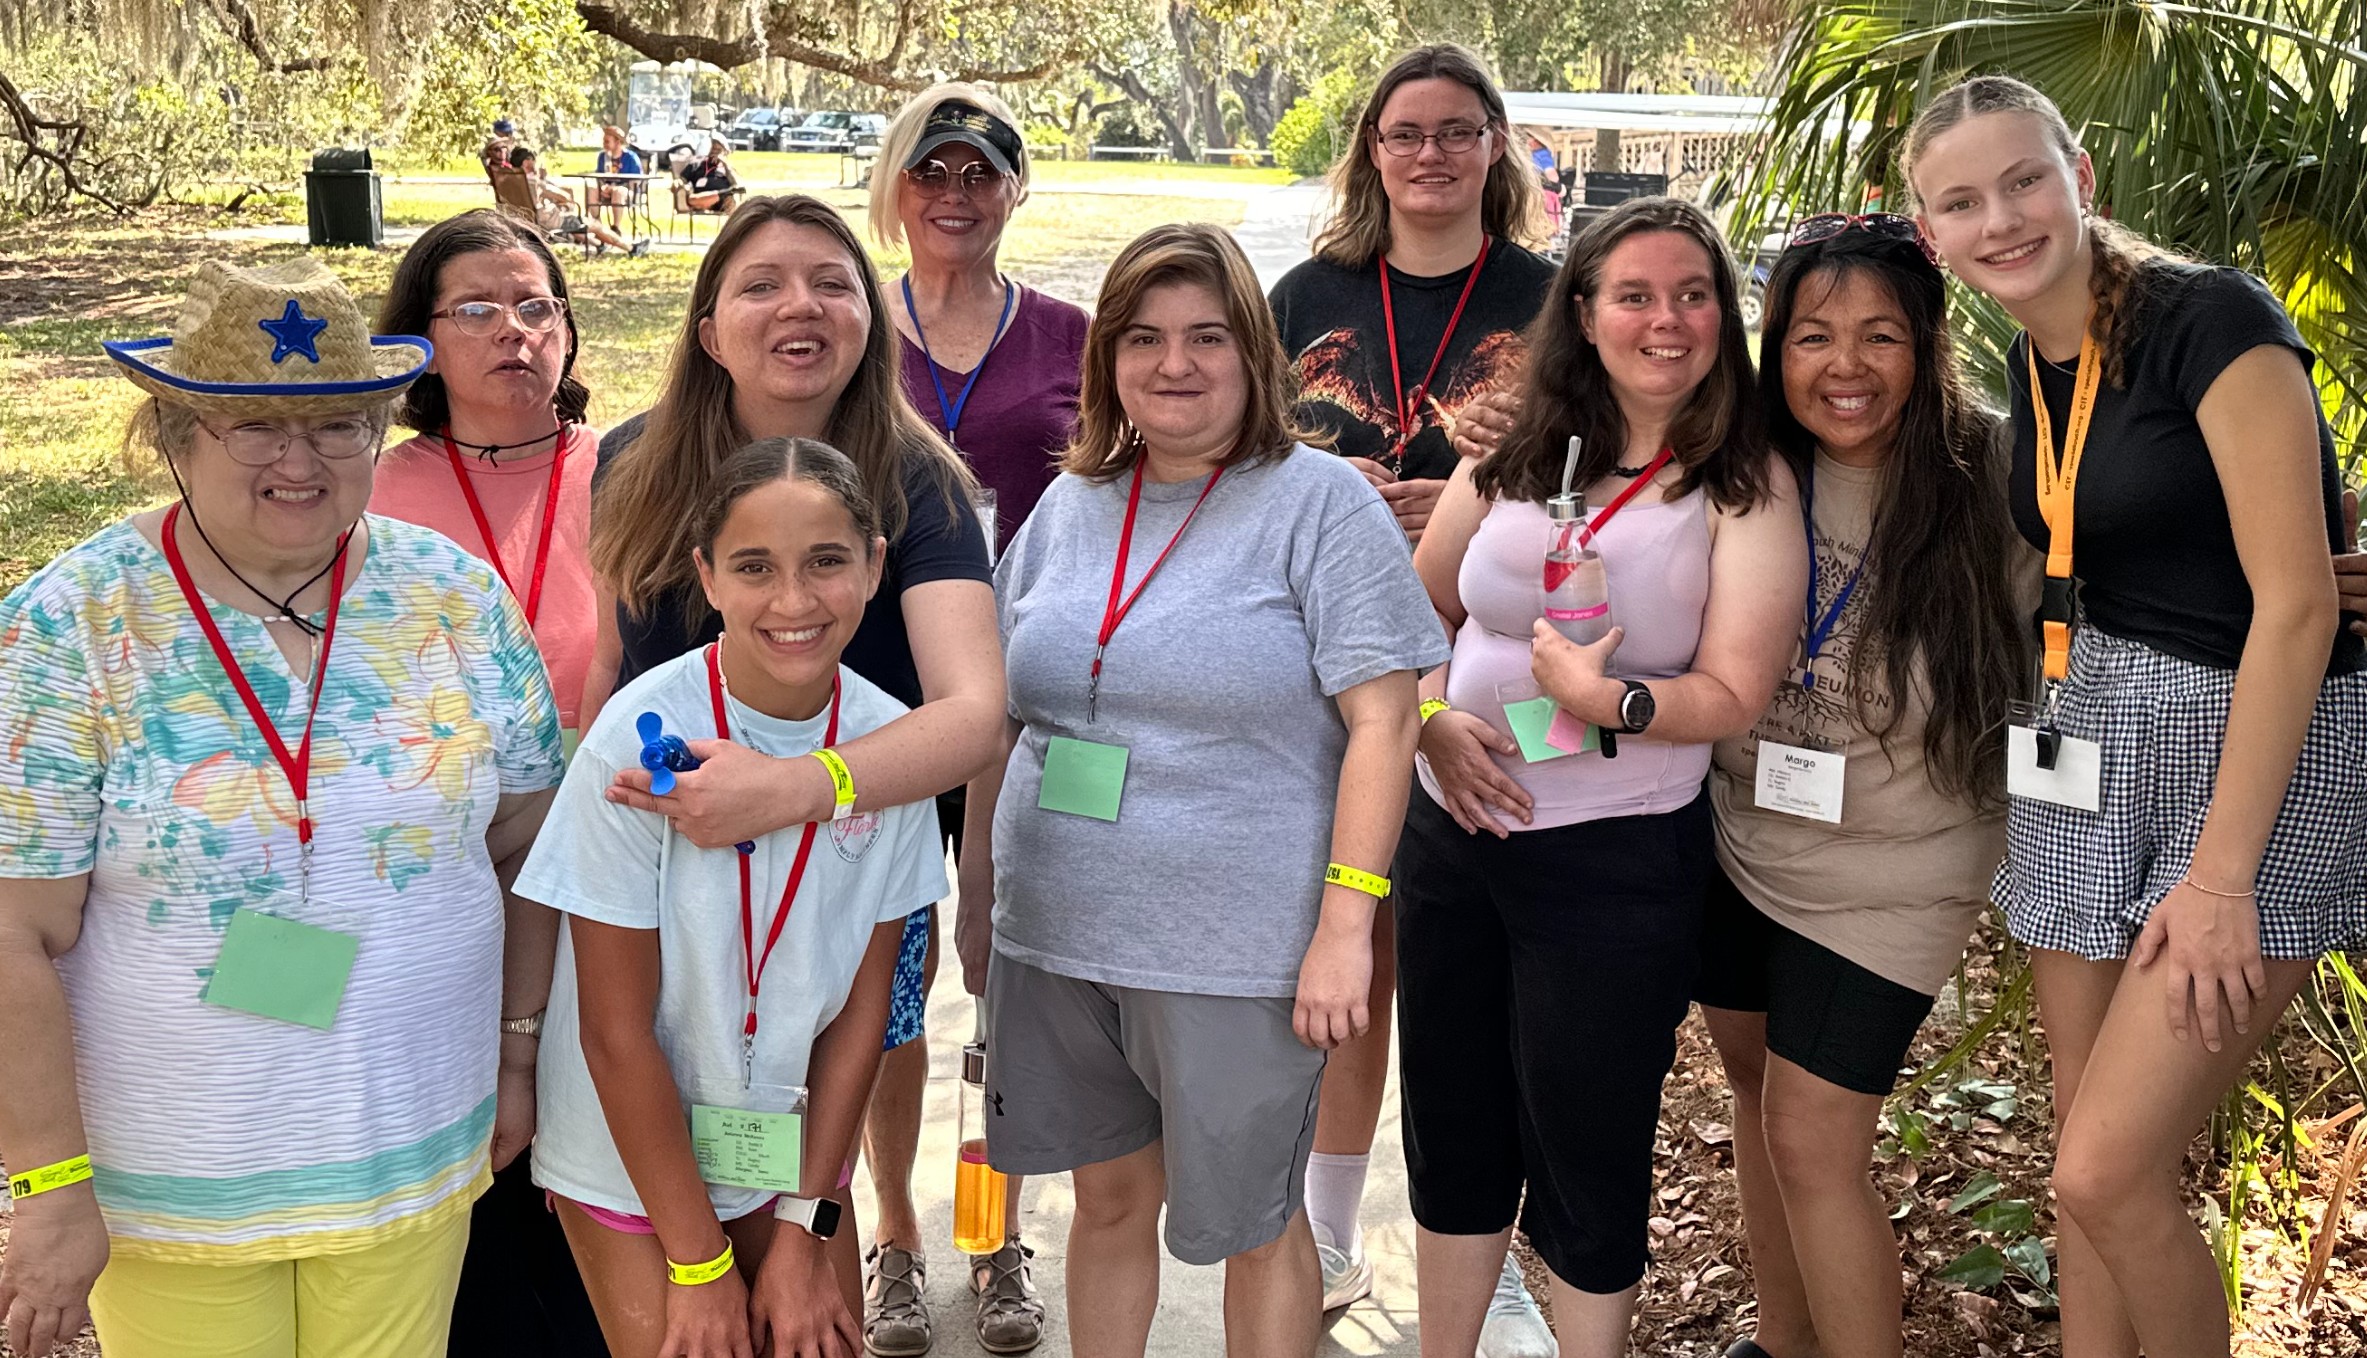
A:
x: 1454, y: 139
x: 478, y: 319
x: 1888, y: 225
x: 258, y: 443
x: 931, y: 176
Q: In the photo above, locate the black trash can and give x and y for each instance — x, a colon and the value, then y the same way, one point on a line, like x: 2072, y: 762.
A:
x: 341, y: 199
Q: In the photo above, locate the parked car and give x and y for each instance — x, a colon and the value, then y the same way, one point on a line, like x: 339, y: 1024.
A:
x: 834, y: 130
x: 759, y: 129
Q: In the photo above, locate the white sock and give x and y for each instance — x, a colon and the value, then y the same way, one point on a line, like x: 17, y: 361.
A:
x: 1335, y: 1190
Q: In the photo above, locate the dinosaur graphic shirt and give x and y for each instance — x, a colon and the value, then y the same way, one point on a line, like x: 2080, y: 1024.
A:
x: 1335, y: 333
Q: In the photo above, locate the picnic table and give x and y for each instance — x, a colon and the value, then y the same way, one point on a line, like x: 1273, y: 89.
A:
x: 636, y: 205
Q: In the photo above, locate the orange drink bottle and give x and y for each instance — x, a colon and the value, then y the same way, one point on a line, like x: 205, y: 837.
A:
x: 978, y: 1188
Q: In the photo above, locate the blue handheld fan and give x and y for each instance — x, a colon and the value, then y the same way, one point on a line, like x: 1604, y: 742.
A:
x: 663, y: 755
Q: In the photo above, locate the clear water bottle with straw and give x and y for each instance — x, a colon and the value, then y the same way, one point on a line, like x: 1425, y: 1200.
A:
x: 1577, y: 592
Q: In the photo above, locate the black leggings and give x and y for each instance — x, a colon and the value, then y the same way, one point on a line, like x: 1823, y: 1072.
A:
x: 1540, y: 982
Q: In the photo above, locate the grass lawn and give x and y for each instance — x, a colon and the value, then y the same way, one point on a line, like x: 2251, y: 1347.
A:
x: 66, y: 284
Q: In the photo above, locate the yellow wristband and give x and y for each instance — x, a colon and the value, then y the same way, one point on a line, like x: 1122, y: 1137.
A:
x: 59, y: 1175
x: 1431, y: 707
x: 691, y: 1275
x: 1356, y: 879
x: 842, y: 783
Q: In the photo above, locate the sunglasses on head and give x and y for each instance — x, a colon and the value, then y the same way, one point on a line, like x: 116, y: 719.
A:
x: 1888, y: 225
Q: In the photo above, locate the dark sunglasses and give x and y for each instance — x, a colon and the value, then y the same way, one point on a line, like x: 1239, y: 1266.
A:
x: 1888, y: 225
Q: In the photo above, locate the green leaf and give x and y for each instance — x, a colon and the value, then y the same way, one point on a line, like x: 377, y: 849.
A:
x: 1977, y: 1190
x: 1977, y: 1269
x: 2006, y: 1217
x: 2028, y: 1256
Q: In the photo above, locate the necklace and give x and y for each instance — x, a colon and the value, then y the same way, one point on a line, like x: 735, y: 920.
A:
x: 2065, y: 368
x: 492, y: 452
x: 287, y: 606
x: 1631, y: 473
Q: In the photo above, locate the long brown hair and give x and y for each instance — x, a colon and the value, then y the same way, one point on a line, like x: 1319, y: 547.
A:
x: 650, y: 497
x: 1939, y: 568
x: 411, y: 300
x: 2124, y: 261
x: 1566, y: 391
x: 1106, y: 442
x: 1358, y: 230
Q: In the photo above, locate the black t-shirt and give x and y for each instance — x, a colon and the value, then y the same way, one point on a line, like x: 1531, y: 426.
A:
x: 1334, y: 332
x: 936, y: 544
x: 2153, y: 552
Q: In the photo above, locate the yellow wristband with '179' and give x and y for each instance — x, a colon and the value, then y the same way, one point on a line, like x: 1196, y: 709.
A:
x: 42, y: 1180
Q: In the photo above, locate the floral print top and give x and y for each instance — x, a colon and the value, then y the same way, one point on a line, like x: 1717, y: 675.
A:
x: 218, y: 1136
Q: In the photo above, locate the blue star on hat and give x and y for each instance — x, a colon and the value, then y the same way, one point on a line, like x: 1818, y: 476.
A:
x: 294, y: 333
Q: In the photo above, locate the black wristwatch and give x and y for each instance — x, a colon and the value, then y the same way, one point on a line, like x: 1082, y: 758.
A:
x: 1636, y: 708
x: 819, y: 1216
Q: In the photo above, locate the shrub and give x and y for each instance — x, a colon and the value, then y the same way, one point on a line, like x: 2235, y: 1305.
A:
x: 1308, y: 137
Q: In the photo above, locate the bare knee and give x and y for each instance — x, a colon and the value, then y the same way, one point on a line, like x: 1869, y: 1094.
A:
x: 2096, y: 1184
x: 1809, y: 1150
x: 1120, y: 1194
x: 1741, y: 1040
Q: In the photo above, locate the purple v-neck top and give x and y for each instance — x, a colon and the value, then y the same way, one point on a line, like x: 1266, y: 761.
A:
x: 1021, y: 412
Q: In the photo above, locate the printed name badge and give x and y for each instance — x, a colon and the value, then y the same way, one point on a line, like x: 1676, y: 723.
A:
x: 1799, y: 781
x: 2076, y: 780
x: 750, y: 1138
x: 1083, y: 778
x: 285, y: 969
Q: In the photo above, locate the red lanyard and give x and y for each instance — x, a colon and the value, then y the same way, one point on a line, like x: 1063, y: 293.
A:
x: 805, y: 848
x: 550, y: 520
x: 1409, y: 404
x: 297, y: 770
x: 1117, y: 609
x: 1643, y: 478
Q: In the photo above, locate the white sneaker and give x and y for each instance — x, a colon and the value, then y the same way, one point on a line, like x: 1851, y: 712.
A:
x: 1347, y: 1274
x: 1514, y: 1329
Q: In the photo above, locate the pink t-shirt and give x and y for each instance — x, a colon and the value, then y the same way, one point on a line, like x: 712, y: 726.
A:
x: 415, y: 484
x: 1657, y: 557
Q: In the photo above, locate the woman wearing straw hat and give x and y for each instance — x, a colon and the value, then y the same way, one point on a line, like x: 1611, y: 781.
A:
x: 263, y: 1000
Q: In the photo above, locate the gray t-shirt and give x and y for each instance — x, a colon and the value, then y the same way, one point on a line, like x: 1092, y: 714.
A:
x: 1293, y: 585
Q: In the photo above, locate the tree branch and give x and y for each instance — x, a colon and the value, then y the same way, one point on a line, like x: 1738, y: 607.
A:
x: 242, y: 24
x: 28, y: 128
x: 610, y: 20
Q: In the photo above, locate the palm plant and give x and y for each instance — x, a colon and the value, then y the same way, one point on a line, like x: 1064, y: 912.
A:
x: 2235, y: 130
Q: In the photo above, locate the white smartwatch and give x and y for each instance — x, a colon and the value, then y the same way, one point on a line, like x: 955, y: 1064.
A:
x: 818, y: 1216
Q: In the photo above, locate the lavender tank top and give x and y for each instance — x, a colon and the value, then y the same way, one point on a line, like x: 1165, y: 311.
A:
x: 1656, y: 556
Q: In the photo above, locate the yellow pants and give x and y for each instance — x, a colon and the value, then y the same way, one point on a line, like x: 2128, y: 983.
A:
x: 392, y: 1300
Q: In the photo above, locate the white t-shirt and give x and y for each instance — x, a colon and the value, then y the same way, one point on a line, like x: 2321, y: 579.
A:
x: 627, y: 868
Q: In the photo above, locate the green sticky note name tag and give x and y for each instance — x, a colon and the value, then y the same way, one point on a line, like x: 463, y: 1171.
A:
x: 748, y: 1149
x: 280, y: 969
x: 1531, y: 720
x: 1083, y: 778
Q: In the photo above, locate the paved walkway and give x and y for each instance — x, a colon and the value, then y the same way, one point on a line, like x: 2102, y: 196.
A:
x: 1191, y: 1300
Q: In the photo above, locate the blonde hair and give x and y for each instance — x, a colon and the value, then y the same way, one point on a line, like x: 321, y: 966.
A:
x: 904, y: 133
x: 651, y: 496
x: 1358, y: 230
x: 2118, y: 280
x: 1107, y: 443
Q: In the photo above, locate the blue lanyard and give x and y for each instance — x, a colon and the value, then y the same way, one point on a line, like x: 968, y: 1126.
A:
x: 952, y: 410
x: 1820, y: 629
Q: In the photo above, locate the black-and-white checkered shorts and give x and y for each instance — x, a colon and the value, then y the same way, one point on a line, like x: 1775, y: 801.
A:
x: 2084, y: 882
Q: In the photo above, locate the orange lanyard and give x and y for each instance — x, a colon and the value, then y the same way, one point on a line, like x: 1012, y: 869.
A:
x: 2058, y: 480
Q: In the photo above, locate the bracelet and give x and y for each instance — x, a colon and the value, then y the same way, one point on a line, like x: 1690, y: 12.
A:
x: 60, y: 1175
x: 842, y: 783
x: 2223, y: 895
x: 1356, y: 879
x: 691, y: 1275
x: 1431, y: 707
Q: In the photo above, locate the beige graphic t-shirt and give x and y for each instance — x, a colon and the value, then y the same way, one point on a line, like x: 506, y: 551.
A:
x: 1897, y: 885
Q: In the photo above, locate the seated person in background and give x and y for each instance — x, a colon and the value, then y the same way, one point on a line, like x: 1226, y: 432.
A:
x: 496, y: 152
x: 615, y: 158
x: 554, y: 208
x: 707, y: 185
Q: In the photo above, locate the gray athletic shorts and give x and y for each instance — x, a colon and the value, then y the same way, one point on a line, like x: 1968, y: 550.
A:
x: 1078, y: 1073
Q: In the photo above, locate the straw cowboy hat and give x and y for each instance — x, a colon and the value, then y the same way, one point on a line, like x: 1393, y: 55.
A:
x: 282, y: 340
